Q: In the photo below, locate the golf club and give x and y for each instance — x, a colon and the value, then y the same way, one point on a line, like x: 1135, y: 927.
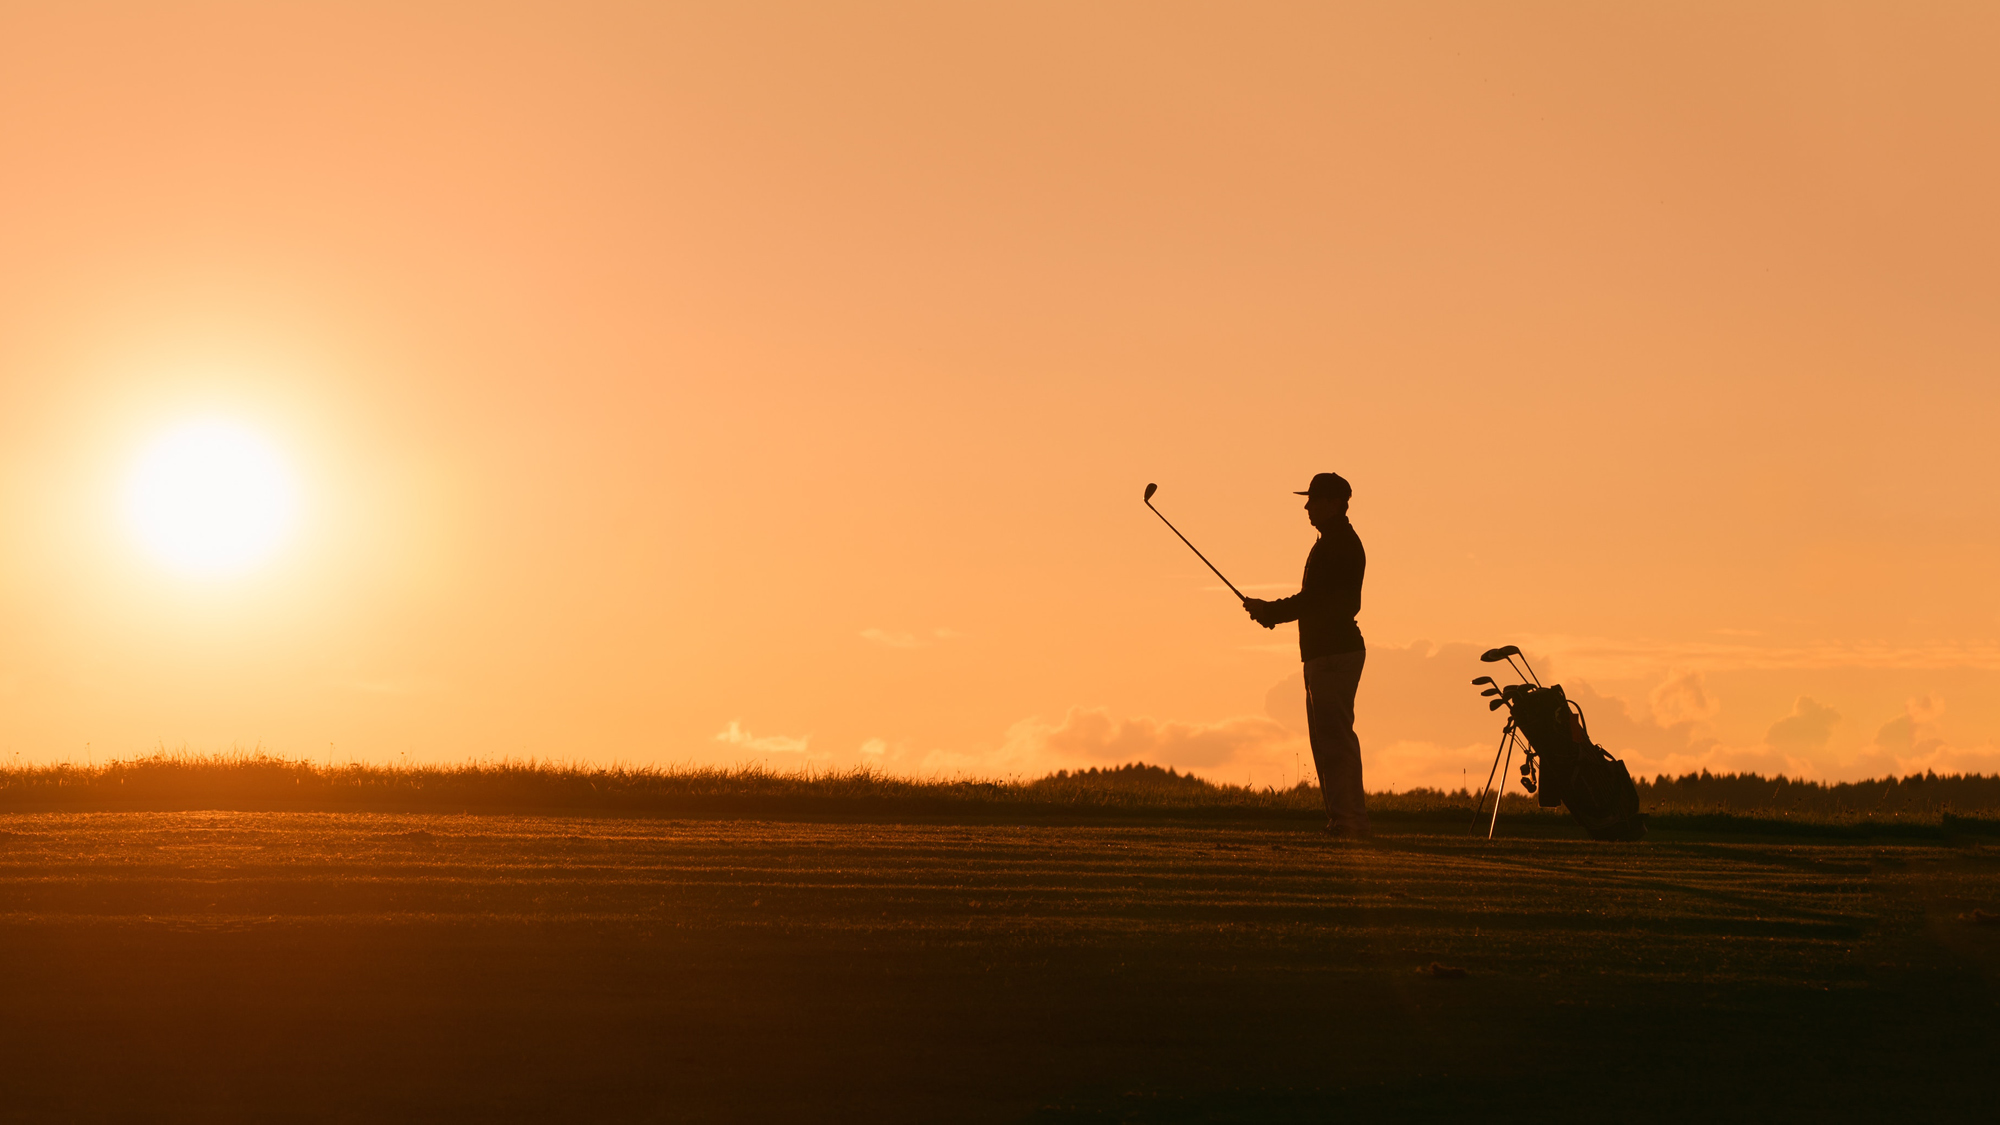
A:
x: 1508, y: 653
x: 1152, y: 488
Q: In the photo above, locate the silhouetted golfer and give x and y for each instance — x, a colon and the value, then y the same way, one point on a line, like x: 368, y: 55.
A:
x: 1330, y: 645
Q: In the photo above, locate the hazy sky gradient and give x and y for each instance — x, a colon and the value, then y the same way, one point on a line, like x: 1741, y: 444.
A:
x: 686, y: 383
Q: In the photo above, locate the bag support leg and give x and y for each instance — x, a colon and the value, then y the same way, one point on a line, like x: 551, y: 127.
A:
x: 1502, y: 792
x: 1506, y: 736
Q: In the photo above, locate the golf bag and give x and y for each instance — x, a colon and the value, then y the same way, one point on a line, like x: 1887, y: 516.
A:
x: 1562, y: 766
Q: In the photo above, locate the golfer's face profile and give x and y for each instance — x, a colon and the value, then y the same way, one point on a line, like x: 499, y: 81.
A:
x: 1323, y: 510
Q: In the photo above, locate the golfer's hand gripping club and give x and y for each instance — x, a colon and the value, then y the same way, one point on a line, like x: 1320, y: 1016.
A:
x: 1152, y: 488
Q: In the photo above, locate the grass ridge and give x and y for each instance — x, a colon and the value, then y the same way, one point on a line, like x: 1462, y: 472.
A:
x: 261, y: 782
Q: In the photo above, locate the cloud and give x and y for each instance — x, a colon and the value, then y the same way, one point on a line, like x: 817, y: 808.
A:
x: 1400, y: 765
x: 1683, y: 699
x: 1244, y: 747
x: 1914, y: 731
x: 1910, y: 743
x: 735, y: 735
x: 1800, y: 744
x: 1808, y: 727
x: 1933, y: 755
x: 909, y: 640
x: 1093, y: 735
x: 1256, y: 749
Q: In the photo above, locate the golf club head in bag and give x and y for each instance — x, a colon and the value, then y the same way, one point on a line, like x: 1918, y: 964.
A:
x: 1510, y: 653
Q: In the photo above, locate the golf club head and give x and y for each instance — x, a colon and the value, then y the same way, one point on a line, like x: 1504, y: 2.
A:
x: 1477, y: 680
x: 1150, y: 489
x: 1495, y: 705
x: 1495, y: 655
x: 1491, y: 691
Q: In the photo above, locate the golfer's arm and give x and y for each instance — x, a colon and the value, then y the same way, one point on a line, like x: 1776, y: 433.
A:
x: 1288, y: 609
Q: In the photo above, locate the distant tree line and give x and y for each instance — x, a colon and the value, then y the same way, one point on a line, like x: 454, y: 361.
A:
x: 1924, y: 793
x: 1928, y: 792
x: 1132, y: 773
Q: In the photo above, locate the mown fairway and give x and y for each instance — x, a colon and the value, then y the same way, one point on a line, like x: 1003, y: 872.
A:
x: 360, y: 967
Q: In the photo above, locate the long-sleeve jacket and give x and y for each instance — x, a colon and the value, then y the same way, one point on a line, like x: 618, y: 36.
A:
x: 1329, y: 598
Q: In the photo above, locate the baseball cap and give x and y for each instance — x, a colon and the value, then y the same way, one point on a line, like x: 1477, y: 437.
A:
x: 1328, y: 484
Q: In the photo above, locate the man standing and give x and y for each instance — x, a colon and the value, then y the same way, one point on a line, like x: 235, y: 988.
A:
x: 1330, y: 645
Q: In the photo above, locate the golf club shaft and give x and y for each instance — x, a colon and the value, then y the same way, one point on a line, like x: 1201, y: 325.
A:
x: 1528, y: 676
x: 1536, y: 680
x: 1197, y: 552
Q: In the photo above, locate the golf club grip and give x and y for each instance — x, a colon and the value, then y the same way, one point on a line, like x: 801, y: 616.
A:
x: 1197, y: 552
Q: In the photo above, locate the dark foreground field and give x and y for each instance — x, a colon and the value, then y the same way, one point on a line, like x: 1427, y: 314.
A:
x: 299, y: 966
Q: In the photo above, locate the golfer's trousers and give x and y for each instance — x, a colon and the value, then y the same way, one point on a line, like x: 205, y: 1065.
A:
x: 1330, y: 684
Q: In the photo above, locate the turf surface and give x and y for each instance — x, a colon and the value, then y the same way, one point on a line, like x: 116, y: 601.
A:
x: 297, y: 966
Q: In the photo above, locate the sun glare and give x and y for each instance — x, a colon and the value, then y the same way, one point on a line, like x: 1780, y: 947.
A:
x: 210, y: 498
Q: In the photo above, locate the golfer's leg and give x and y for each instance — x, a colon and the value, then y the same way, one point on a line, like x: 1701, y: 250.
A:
x: 1321, y: 735
x: 1331, y: 682
x: 1353, y: 794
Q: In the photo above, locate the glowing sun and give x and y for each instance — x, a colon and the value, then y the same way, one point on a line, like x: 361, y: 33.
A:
x: 210, y: 498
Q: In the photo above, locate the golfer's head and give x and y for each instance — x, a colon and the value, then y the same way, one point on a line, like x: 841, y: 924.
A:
x: 1326, y: 499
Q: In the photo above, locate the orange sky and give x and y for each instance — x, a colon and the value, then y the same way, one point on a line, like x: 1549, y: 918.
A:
x: 709, y: 383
